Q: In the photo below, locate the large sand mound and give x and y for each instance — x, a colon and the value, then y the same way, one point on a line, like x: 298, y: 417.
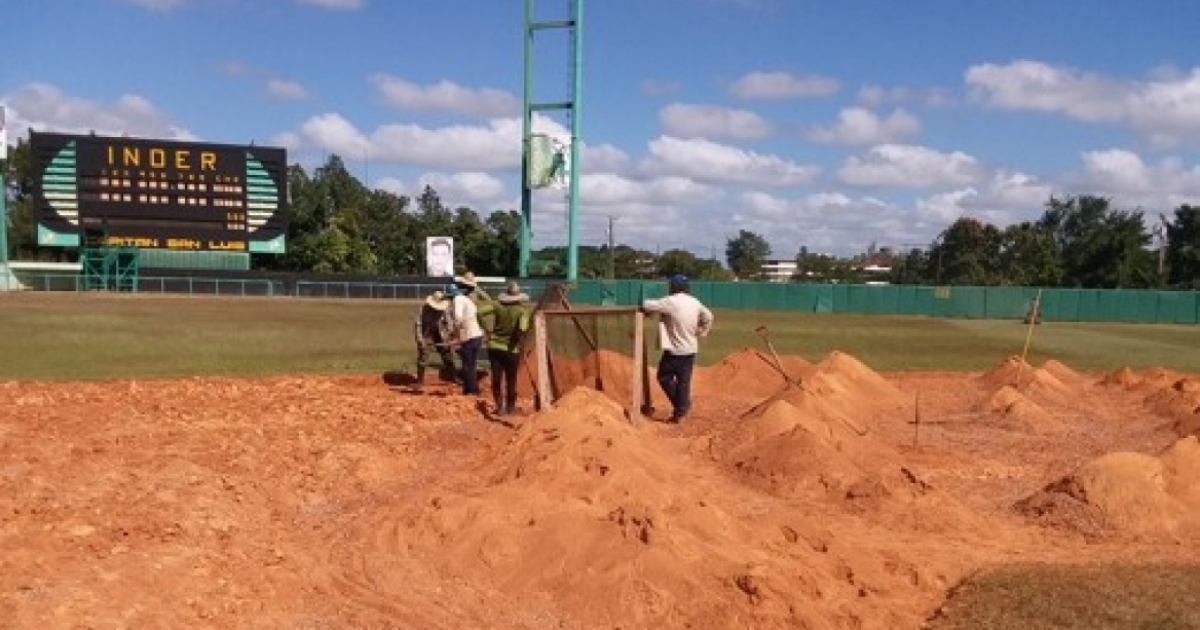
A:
x: 604, y: 519
x: 1134, y: 492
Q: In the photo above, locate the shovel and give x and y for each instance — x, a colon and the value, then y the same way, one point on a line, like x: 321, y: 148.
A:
x: 766, y: 337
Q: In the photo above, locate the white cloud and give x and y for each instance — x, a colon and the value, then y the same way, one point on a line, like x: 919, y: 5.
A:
x: 875, y: 96
x: 470, y: 189
x: 611, y: 189
x: 827, y: 222
x: 711, y: 162
x: 1039, y: 86
x: 859, y: 126
x: 693, y: 121
x: 909, y: 166
x: 1131, y: 181
x: 446, y: 96
x: 1166, y: 109
x: 45, y: 108
x: 285, y: 89
x: 496, y: 146
x: 781, y: 85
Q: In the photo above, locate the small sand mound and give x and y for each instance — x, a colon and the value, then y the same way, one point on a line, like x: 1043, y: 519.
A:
x: 1123, y: 376
x: 750, y: 373
x: 1065, y: 374
x: 1180, y: 402
x: 1045, y: 386
x: 794, y: 453
x: 1012, y: 371
x: 1131, y: 492
x: 1011, y: 407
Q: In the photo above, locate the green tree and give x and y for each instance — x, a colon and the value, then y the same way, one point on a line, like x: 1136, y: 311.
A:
x: 1183, y: 248
x: 746, y: 254
x: 1099, y: 247
x: 968, y: 254
x: 1029, y: 256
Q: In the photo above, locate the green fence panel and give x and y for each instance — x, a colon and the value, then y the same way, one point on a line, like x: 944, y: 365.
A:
x: 963, y: 302
x: 1008, y: 302
x: 1141, y: 306
x: 1061, y: 305
x: 906, y: 300
x: 1178, y: 307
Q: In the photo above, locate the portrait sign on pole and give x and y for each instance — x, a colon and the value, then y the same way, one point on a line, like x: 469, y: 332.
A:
x: 439, y: 256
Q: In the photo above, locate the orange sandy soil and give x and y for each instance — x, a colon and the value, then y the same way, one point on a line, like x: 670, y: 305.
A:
x: 351, y: 502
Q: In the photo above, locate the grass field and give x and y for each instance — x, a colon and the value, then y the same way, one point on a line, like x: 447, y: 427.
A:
x: 97, y: 336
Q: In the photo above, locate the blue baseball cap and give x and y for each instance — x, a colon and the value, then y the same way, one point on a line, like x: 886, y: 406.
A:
x: 678, y: 279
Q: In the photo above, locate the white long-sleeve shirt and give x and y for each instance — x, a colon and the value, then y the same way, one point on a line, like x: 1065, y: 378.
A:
x: 682, y: 321
x: 466, y: 318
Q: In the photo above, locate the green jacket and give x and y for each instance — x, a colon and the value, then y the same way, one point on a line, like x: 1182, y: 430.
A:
x: 505, y: 324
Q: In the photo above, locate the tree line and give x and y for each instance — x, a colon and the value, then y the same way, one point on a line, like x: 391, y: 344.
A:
x: 339, y: 225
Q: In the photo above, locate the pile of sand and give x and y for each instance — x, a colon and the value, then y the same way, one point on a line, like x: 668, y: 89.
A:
x: 609, y: 522
x: 1154, y: 497
x: 750, y: 373
x: 1013, y: 409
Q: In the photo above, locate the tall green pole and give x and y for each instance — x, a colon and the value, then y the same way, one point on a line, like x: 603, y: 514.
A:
x: 576, y: 114
x: 527, y: 125
x: 575, y: 24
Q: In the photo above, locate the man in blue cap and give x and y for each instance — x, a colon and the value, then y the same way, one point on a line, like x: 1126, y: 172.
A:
x: 682, y: 320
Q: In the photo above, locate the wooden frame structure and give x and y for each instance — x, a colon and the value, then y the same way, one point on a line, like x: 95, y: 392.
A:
x: 544, y: 385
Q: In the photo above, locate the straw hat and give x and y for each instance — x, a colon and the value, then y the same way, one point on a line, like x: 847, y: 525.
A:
x: 466, y: 280
x: 436, y: 300
x: 513, y: 295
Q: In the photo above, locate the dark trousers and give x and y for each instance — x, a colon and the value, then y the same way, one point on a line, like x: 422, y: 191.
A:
x: 504, y: 377
x: 675, y: 378
x: 469, y: 353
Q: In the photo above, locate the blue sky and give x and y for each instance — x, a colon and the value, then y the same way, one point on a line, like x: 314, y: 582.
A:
x: 828, y: 125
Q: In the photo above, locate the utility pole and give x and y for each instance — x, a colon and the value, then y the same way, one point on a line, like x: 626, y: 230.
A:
x: 612, y: 257
x: 4, y: 201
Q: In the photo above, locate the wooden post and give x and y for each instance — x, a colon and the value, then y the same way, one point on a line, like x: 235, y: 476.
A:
x: 542, y: 351
x: 639, y: 362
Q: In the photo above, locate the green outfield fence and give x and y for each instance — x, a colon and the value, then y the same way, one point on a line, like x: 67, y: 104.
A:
x: 1075, y: 305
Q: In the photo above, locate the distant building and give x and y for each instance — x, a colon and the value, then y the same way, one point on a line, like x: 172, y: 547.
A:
x: 779, y: 270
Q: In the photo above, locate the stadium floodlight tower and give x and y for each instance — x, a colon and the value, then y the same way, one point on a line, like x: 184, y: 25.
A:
x: 544, y: 160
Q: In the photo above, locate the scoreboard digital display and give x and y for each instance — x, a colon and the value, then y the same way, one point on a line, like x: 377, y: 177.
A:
x: 159, y: 194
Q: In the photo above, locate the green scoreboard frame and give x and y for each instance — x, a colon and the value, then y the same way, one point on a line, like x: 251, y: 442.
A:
x: 159, y: 194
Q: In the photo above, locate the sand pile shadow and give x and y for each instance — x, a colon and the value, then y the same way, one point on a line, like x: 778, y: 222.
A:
x: 749, y: 373
x: 1011, y: 409
x: 1147, y: 496
x: 612, y: 523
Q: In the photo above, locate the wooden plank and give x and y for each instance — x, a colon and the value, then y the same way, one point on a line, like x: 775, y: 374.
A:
x: 542, y: 352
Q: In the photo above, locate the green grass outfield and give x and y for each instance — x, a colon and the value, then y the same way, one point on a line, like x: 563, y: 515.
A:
x: 102, y: 335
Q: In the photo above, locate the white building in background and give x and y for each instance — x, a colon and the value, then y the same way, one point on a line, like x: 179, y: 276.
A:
x: 780, y: 270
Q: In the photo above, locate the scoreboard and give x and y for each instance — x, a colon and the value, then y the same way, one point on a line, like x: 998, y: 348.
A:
x: 159, y: 194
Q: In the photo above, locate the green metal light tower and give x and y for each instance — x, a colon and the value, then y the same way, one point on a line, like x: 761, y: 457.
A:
x: 530, y: 149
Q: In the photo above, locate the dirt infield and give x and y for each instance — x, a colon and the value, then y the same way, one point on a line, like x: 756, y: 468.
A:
x: 855, y: 500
